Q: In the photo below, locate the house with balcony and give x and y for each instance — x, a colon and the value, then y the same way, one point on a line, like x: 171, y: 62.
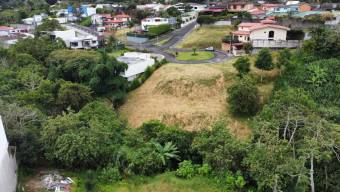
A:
x: 99, y: 19
x: 262, y: 34
x: 78, y: 37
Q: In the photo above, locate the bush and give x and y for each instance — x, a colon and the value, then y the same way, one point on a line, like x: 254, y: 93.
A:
x: 148, y: 72
x: 154, y: 31
x: 110, y: 174
x: 264, y: 60
x: 186, y: 169
x: 206, y: 19
x: 205, y: 170
x: 244, y: 97
x: 242, y: 65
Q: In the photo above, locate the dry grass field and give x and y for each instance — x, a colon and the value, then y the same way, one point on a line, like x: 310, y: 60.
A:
x: 190, y: 96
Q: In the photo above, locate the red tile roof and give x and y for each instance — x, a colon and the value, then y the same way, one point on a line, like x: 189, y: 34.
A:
x: 114, y: 21
x: 5, y: 28
x: 261, y: 26
x: 108, y: 16
x: 247, y: 24
x: 241, y: 32
x: 268, y: 21
x: 122, y: 16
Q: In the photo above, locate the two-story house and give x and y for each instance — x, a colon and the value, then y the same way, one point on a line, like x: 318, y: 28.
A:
x: 263, y: 34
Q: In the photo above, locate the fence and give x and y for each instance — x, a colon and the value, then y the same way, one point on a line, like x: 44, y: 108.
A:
x: 276, y: 44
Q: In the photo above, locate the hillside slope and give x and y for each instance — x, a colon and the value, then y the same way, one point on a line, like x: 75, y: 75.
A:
x: 191, y: 96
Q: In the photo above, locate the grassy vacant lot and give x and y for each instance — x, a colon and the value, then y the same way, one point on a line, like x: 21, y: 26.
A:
x: 166, y: 182
x: 205, y: 36
x: 191, y: 96
x: 189, y: 56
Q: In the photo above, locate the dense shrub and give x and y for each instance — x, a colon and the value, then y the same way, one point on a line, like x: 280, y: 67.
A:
x: 186, y: 170
x: 109, y: 174
x: 204, y: 170
x: 220, y: 150
x: 89, y: 138
x: 148, y: 72
x: 206, y: 19
x: 244, y: 98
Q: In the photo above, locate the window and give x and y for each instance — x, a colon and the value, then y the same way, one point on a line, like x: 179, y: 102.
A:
x: 74, y: 44
x: 271, y: 34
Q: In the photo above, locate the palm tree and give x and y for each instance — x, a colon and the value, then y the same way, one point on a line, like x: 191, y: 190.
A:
x: 166, y: 152
x: 194, y: 50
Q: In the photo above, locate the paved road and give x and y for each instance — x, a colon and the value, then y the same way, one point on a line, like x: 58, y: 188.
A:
x: 174, y: 38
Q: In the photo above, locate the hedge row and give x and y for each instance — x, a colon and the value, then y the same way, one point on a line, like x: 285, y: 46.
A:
x: 148, y: 72
x: 154, y: 31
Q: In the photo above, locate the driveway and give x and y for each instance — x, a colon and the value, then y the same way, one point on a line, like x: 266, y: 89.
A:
x: 175, y: 37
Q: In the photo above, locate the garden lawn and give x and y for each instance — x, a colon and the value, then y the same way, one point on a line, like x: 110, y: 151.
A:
x: 189, y: 56
x: 205, y: 36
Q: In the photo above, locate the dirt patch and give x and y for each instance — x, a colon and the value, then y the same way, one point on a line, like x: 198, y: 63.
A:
x: 191, y: 96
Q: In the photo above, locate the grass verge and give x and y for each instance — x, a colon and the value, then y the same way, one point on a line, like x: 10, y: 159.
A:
x: 190, y: 56
x: 166, y: 182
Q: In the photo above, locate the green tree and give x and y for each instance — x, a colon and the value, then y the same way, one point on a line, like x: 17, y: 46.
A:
x: 244, y: 97
x: 242, y: 65
x: 222, y: 151
x: 22, y: 125
x: 89, y: 138
x: 106, y: 78
x: 49, y: 25
x: 31, y: 76
x: 284, y: 59
x: 248, y: 48
x: 38, y: 47
x: 194, y: 51
x: 264, y: 60
x: 73, y: 95
x: 323, y: 44
x: 173, y: 12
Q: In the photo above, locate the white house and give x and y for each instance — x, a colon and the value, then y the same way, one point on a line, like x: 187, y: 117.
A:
x: 76, y: 38
x: 99, y: 19
x: 292, y: 2
x: 35, y: 20
x: 137, y: 63
x: 156, y: 7
x: 5, y: 31
x: 87, y: 11
x: 8, y: 166
x: 264, y: 34
x: 153, y: 21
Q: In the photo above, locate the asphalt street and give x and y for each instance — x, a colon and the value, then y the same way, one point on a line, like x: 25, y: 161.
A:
x: 175, y: 37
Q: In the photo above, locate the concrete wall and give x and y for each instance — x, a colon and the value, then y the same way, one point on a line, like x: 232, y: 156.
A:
x: 8, y: 166
x: 137, y: 39
x: 279, y: 34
